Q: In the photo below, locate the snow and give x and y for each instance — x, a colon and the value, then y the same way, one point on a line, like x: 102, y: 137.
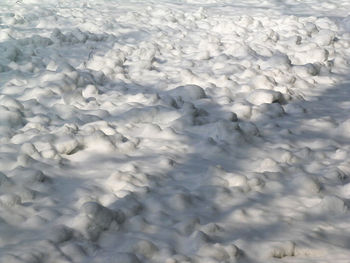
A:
x: 174, y: 131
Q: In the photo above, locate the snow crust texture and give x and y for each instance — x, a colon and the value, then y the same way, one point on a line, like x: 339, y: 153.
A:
x: 174, y: 131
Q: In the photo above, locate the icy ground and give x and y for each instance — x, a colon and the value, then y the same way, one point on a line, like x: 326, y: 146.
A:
x: 174, y: 131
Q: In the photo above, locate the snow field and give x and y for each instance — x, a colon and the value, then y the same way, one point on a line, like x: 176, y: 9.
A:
x: 169, y: 132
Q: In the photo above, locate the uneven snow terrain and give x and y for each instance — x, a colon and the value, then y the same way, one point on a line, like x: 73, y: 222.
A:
x: 174, y: 131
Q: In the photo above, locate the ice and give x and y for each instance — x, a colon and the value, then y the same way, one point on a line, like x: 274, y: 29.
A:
x: 188, y: 92
x: 60, y: 234
x: 94, y: 219
x: 90, y: 91
x: 10, y: 118
x: 66, y: 145
x: 263, y: 82
x: 25, y: 176
x: 214, y: 252
x: 127, y: 258
x: 333, y: 205
x: 145, y: 248
x: 313, y: 55
x: 282, y: 250
x: 307, y: 185
x: 4, y: 181
x: 260, y: 96
x: 324, y: 37
x: 174, y: 131
x: 10, y: 200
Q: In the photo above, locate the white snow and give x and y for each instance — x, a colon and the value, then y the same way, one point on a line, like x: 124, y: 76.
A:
x: 174, y: 131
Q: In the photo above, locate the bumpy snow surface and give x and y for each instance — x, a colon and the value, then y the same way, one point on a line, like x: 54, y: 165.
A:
x: 174, y: 131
